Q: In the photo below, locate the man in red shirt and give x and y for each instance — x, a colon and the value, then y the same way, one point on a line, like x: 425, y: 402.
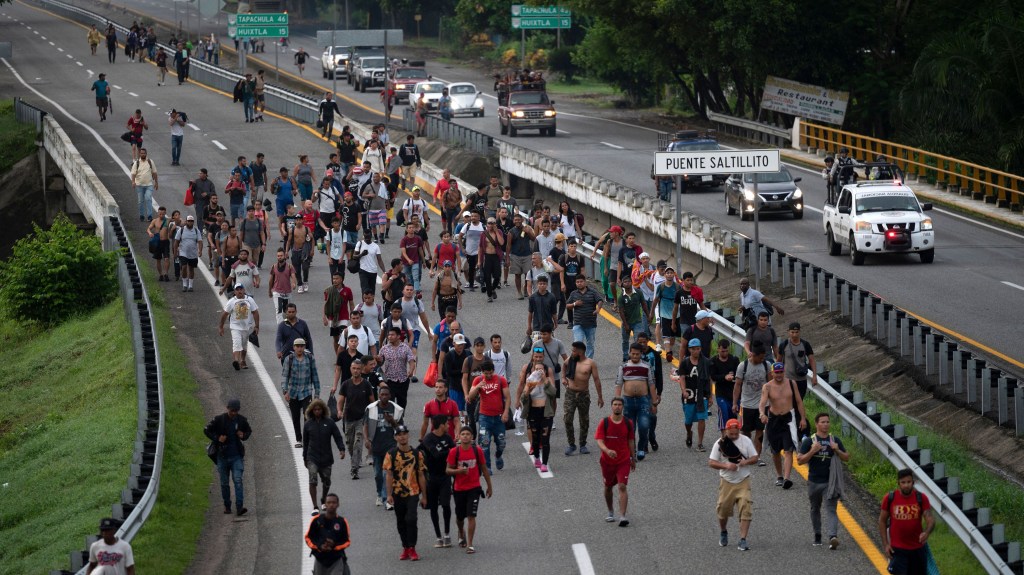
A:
x: 899, y: 524
x: 440, y: 405
x: 492, y: 390
x: 412, y: 254
x: 615, y: 438
x: 465, y: 464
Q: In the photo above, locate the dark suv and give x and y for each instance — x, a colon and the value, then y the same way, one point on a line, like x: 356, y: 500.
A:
x: 695, y: 141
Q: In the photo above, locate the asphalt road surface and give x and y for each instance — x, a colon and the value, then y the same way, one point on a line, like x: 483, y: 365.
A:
x: 545, y: 524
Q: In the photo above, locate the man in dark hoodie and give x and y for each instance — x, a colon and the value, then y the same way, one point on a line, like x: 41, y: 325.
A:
x: 229, y: 430
x: 317, y: 434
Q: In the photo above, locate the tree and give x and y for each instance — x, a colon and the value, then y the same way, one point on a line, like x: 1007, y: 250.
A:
x: 53, y: 275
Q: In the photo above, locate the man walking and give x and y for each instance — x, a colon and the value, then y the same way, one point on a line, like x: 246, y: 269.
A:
x: 578, y: 372
x: 751, y: 375
x: 177, y: 124
x: 328, y: 538
x: 495, y: 404
x: 187, y: 245
x: 300, y: 384
x: 435, y: 447
x: 899, y: 523
x: 245, y: 319
x: 289, y: 330
x: 818, y: 453
x: 632, y: 308
x: 778, y: 400
x: 110, y: 554
x: 635, y: 385
x: 354, y: 396
x: 398, y: 364
x: 145, y: 183
x: 380, y: 421
x: 732, y: 456
x: 161, y: 227
x: 326, y: 111
x: 615, y: 437
x: 585, y: 304
x: 316, y: 449
x: 405, y: 484
x: 229, y: 430
x: 466, y: 464
x: 798, y: 355
x: 411, y: 161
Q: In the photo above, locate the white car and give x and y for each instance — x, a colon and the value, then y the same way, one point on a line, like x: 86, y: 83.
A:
x: 334, y: 61
x: 431, y: 93
x: 466, y: 99
x: 878, y: 217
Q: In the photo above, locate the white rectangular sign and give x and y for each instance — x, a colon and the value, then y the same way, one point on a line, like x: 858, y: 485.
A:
x: 715, y: 162
x: 804, y: 100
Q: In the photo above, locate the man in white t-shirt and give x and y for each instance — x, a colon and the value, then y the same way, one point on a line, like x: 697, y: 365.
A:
x: 245, y: 319
x: 416, y: 205
x: 111, y: 554
x: 733, y: 456
x: 370, y: 262
x: 367, y: 341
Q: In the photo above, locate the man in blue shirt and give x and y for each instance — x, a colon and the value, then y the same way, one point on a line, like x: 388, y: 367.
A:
x: 102, y: 89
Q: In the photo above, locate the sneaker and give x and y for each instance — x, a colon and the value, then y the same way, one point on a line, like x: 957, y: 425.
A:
x: 379, y: 502
x: 640, y: 455
x: 447, y: 541
x: 817, y: 540
x: 405, y: 554
x: 227, y: 510
x: 787, y: 484
x: 543, y: 468
x: 833, y: 543
x: 654, y: 444
x: 440, y: 543
x: 778, y: 482
x: 689, y: 440
x: 536, y: 463
x: 700, y: 447
x: 657, y: 348
x: 761, y: 463
x: 610, y: 518
x: 743, y: 545
x: 413, y: 555
x: 499, y: 463
x: 388, y: 507
x: 315, y: 513
x: 584, y: 450
x: 570, y: 450
x: 241, y: 511
x: 723, y: 539
x: 355, y: 475
x: 623, y: 522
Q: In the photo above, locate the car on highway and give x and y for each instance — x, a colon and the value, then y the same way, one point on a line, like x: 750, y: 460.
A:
x: 878, y: 217
x: 431, y: 95
x: 466, y: 99
x: 334, y: 61
x: 369, y: 72
x: 404, y: 79
x: 527, y: 110
x: 357, y: 53
x: 778, y: 191
x: 696, y: 141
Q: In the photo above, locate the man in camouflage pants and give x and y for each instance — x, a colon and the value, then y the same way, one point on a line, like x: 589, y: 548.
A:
x: 578, y: 371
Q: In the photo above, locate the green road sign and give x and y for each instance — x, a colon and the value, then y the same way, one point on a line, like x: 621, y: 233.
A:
x: 261, y: 19
x: 541, y: 23
x: 258, y: 31
x: 541, y: 11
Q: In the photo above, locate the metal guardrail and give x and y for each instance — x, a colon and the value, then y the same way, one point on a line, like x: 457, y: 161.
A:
x: 751, y: 130
x: 993, y: 186
x: 29, y: 114
x: 451, y: 133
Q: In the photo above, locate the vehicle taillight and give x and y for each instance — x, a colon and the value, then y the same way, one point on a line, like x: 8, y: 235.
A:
x: 892, y: 234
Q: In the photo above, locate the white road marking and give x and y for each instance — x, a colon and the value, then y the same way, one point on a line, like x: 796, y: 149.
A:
x: 612, y: 146
x: 79, y: 63
x: 561, y: 131
x: 269, y: 387
x: 51, y: 43
x: 219, y: 145
x: 1013, y: 285
x: 133, y: 94
x: 116, y: 86
x: 36, y: 32
x: 71, y: 56
x: 813, y: 209
x: 148, y: 103
x: 90, y: 72
x: 42, y: 37
x: 193, y: 126
x: 59, y: 49
x: 579, y: 550
x: 544, y: 474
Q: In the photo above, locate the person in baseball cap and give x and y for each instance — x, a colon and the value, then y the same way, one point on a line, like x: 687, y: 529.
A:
x: 778, y: 366
x: 694, y: 343
x: 190, y: 218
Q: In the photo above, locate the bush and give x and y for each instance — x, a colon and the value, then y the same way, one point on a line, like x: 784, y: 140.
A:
x: 560, y: 61
x: 56, y: 274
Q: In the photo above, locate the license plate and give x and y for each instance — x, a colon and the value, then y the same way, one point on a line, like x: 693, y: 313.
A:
x: 706, y: 178
x: 533, y: 121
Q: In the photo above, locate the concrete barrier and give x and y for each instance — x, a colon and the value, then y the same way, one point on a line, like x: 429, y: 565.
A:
x: 82, y: 182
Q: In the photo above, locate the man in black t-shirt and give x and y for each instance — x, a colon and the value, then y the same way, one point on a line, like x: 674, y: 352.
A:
x: 435, y: 447
x: 353, y: 397
x: 817, y: 452
x: 572, y: 266
x: 722, y: 371
x: 350, y: 213
x: 346, y: 357
x: 701, y: 330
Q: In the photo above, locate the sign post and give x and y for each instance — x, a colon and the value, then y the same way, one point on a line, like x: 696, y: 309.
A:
x: 707, y: 162
x: 244, y: 26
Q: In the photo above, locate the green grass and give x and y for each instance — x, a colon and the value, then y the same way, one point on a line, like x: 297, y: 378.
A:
x: 67, y: 427
x: 167, y: 542
x: 17, y: 140
x: 875, y: 474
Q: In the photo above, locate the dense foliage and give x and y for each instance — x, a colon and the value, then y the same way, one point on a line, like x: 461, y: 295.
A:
x: 56, y: 274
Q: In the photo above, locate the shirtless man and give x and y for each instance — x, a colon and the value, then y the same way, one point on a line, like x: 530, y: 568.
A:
x: 635, y: 385
x: 576, y: 375
x: 299, y: 242
x: 777, y: 403
x: 161, y: 225
x: 230, y: 246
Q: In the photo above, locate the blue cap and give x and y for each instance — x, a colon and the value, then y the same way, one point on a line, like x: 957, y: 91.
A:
x: 778, y: 366
x: 695, y: 343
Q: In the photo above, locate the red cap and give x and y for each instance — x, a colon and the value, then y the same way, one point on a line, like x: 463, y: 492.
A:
x: 616, y: 229
x: 732, y: 423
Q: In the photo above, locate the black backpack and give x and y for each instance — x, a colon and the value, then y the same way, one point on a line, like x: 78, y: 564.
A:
x: 236, y: 95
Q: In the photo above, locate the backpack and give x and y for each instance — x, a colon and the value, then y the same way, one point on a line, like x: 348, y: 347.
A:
x: 346, y: 333
x: 580, y: 220
x: 237, y: 94
x: 888, y: 501
x: 390, y: 323
x: 604, y: 425
x: 802, y: 368
x: 479, y: 457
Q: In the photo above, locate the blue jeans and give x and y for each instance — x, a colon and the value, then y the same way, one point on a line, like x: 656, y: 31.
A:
x: 378, y: 475
x: 234, y: 467
x: 634, y: 329
x: 238, y: 212
x: 491, y: 427
x: 145, y: 194
x: 247, y: 103
x: 638, y: 410
x: 586, y: 335
x: 413, y: 271
x: 176, y: 148
x: 664, y: 189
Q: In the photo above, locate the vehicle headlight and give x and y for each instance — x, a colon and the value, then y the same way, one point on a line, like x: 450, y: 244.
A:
x: 926, y: 224
x: 519, y: 114
x: 454, y: 104
x: 549, y: 113
x: 748, y: 195
x: 400, y: 86
x: 478, y: 103
x: 798, y: 193
x: 862, y: 227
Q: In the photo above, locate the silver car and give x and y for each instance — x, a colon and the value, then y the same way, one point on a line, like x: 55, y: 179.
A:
x: 778, y: 191
x: 466, y: 99
x: 431, y: 95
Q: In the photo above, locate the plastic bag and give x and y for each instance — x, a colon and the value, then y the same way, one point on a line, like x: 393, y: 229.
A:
x: 430, y: 378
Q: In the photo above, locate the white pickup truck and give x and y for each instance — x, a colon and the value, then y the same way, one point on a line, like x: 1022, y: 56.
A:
x: 334, y: 61
x: 878, y: 217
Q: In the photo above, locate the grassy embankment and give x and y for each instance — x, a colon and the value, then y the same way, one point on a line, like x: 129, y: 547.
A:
x: 17, y: 140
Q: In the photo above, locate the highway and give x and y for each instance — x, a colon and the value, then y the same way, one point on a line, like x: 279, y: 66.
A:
x: 541, y: 524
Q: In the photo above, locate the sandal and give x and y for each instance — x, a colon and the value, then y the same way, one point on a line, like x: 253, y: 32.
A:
x: 462, y: 542
x: 470, y: 550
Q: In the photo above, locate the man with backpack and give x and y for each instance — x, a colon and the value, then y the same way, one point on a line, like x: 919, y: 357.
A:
x: 732, y: 455
x: 406, y: 482
x: 290, y: 329
x: 328, y: 538
x: 466, y: 464
x: 798, y: 356
x: 751, y: 375
x: 411, y: 161
x: 615, y: 437
x: 823, y: 484
x: 144, y: 177
x: 300, y: 384
x: 899, y: 524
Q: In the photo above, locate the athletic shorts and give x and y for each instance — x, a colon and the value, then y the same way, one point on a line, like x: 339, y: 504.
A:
x: 135, y: 140
x: 613, y: 277
x: 736, y: 495
x: 615, y: 473
x: 101, y: 102
x: 316, y: 471
x: 724, y: 411
x: 780, y: 433
x: 751, y: 420
x: 908, y: 561
x: 377, y: 218
x: 239, y: 339
x: 520, y: 264
x: 692, y: 414
x: 164, y: 251
x: 337, y: 327
x: 666, y: 328
x: 467, y: 502
x: 261, y: 97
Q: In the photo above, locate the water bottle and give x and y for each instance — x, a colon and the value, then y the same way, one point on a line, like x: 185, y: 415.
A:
x: 520, y: 424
